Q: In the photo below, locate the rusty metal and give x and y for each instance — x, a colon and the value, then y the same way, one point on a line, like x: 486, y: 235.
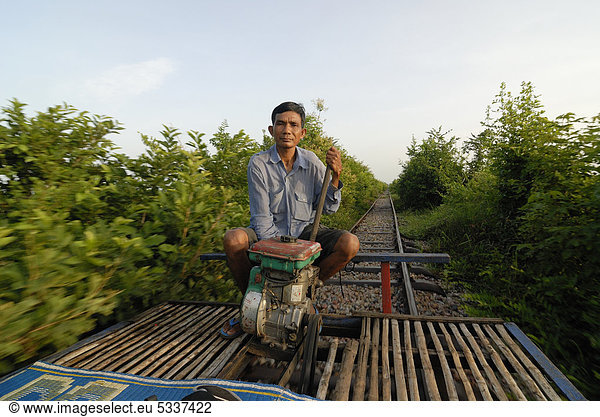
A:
x: 386, y: 291
x: 300, y: 250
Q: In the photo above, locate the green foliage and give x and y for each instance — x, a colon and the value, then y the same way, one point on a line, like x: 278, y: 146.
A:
x: 191, y: 218
x: 229, y: 163
x: 524, y: 231
x: 360, y: 186
x: 89, y: 236
x: 56, y: 275
x: 433, y: 168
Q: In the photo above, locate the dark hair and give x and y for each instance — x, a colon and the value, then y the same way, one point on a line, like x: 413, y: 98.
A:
x: 288, y: 106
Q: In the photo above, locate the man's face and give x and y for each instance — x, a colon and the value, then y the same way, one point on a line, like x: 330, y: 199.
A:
x: 287, y: 130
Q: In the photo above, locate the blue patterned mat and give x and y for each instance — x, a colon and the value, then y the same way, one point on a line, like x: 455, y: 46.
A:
x: 45, y: 381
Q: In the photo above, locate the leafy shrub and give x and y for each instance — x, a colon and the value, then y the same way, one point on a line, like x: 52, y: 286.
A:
x: 360, y: 186
x: 433, y: 168
x: 89, y: 236
x: 524, y: 231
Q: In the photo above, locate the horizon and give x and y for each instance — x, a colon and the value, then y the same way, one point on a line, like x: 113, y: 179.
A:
x: 387, y: 71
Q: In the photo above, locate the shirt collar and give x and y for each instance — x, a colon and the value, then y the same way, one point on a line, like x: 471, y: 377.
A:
x: 301, y: 160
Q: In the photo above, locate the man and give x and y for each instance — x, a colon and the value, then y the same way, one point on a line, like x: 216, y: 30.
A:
x: 284, y: 184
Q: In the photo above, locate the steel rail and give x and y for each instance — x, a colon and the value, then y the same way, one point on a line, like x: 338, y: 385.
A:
x: 363, y: 216
x: 401, y: 257
x: 408, y: 290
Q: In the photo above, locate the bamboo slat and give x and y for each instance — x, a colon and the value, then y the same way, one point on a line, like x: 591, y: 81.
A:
x: 235, y: 366
x: 130, y: 333
x: 386, y: 389
x: 363, y: 361
x: 179, y: 340
x: 539, y: 377
x: 208, y: 349
x: 458, y: 365
x: 504, y: 372
x: 373, y: 394
x: 483, y: 389
x: 401, y: 392
x: 521, y: 372
x: 413, y: 383
x: 128, y: 346
x: 181, y: 344
x: 91, y: 349
x: 186, y: 342
x: 208, y: 331
x: 223, y: 359
x: 491, y: 376
x: 448, y: 380
x: 431, y: 383
x: 435, y: 319
x: 185, y: 346
x: 324, y: 382
x: 179, y: 366
x: 342, y: 388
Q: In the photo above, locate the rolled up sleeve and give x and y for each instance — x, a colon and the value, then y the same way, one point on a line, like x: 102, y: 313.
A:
x: 333, y: 200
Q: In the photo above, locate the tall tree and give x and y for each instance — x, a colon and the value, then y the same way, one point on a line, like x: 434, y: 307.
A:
x: 433, y: 167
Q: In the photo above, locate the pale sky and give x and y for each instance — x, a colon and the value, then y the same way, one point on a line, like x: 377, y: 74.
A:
x: 387, y: 70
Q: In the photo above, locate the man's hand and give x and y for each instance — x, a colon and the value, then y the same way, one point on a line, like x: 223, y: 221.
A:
x: 334, y: 161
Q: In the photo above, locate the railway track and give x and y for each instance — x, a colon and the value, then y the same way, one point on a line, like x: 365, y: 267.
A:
x: 414, y: 290
x: 411, y: 353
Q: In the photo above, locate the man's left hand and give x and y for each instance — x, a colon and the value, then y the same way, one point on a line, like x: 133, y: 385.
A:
x: 334, y: 161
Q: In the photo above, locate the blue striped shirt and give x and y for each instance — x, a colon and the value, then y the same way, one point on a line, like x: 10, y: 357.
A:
x: 284, y: 203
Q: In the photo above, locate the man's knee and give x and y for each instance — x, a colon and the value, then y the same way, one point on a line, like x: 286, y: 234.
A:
x: 348, y: 245
x: 235, y: 240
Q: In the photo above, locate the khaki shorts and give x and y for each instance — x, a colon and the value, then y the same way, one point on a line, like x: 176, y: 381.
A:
x: 325, y: 236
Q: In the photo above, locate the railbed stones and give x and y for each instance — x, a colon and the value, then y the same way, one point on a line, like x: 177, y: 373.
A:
x: 378, y: 226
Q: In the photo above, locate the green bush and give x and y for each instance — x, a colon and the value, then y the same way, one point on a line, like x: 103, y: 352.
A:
x: 360, y: 185
x: 89, y: 236
x: 524, y: 231
x: 434, y: 166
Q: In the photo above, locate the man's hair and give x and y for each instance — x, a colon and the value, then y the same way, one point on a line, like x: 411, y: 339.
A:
x: 289, y: 106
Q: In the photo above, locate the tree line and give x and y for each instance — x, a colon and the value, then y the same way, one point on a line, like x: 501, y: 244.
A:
x: 90, y: 236
x: 518, y: 209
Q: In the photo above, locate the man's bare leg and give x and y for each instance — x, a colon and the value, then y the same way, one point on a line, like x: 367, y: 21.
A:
x: 344, y: 250
x: 236, y: 245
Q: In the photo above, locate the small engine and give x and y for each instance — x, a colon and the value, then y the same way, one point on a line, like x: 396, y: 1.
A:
x: 281, y: 290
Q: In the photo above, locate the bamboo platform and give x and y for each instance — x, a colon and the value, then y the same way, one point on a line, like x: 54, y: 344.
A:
x: 383, y: 357
x: 437, y: 359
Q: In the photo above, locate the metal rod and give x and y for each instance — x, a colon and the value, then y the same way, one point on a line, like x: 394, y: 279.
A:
x: 368, y: 282
x: 439, y: 258
x: 315, y: 228
x: 551, y: 370
x: 435, y: 258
